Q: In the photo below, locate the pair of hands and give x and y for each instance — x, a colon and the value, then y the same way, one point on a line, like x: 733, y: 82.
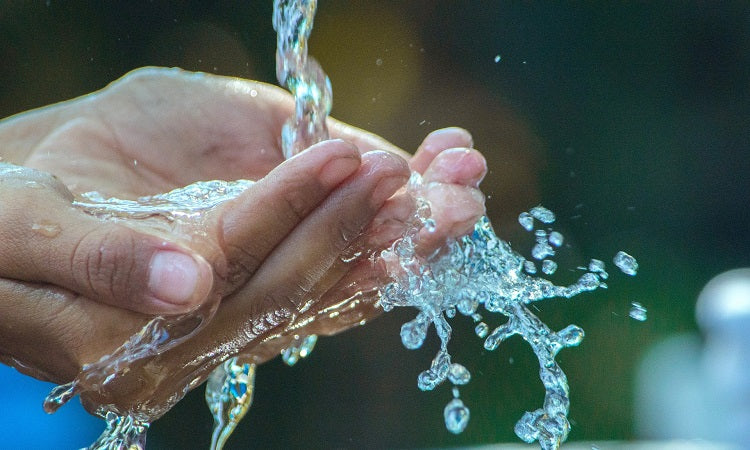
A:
x: 73, y: 287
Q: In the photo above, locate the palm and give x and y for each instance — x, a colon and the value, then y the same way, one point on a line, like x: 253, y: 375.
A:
x: 129, y: 140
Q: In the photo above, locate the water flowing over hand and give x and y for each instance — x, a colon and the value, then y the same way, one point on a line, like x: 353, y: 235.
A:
x: 284, y: 256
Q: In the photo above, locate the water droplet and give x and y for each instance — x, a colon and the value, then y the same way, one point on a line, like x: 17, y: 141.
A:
x: 379, y: 62
x: 413, y: 333
x: 481, y: 330
x: 308, y: 344
x: 290, y: 355
x: 571, y: 335
x: 459, y: 374
x: 556, y: 239
x: 589, y: 281
x: 542, y: 250
x: 497, y: 58
x: 542, y: 214
x: 627, y: 264
x: 637, y: 312
x: 467, y: 306
x: 456, y: 416
x: 46, y: 229
x: 526, y: 220
x: 253, y: 93
x: 549, y: 267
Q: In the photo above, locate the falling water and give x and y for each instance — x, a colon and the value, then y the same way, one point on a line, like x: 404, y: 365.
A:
x: 311, y: 88
x: 473, y: 272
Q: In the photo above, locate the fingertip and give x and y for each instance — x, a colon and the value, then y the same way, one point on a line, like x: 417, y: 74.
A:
x: 462, y: 166
x: 438, y: 141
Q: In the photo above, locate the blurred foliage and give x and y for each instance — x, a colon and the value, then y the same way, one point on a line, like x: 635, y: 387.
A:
x: 629, y: 120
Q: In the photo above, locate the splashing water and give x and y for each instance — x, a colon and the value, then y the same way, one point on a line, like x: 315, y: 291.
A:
x: 478, y: 270
x: 482, y: 270
x: 229, y: 394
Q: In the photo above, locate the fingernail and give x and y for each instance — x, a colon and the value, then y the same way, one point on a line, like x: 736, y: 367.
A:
x: 173, y: 277
x: 452, y: 137
x: 336, y: 171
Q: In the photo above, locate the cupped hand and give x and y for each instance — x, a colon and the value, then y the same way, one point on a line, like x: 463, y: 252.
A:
x: 272, y: 255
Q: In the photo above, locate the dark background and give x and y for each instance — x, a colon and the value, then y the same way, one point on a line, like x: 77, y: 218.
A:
x: 628, y: 119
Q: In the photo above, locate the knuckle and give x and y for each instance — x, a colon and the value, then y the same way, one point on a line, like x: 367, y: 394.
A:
x: 294, y: 195
x: 347, y: 232
x: 102, y: 263
x: 243, y: 264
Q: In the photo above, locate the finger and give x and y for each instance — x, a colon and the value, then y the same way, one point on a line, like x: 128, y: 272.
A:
x: 44, y: 239
x: 436, y: 142
x: 316, y: 246
x: 364, y: 140
x: 279, y: 289
x: 46, y: 331
x: 451, y: 187
x: 450, y: 183
x: 462, y: 166
x: 254, y: 223
x: 266, y: 305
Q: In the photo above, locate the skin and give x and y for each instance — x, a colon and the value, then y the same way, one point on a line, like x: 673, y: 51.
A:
x: 266, y: 266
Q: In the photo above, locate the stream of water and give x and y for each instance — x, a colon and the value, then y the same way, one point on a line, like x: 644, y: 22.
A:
x: 478, y: 276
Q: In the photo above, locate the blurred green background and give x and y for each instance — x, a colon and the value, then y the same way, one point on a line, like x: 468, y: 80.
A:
x: 628, y: 119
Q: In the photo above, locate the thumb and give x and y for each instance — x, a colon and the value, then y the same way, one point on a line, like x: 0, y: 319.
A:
x: 45, y: 239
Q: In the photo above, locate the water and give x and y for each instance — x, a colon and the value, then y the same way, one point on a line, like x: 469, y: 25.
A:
x: 482, y: 270
x: 626, y: 263
x: 229, y: 394
x: 127, y: 429
x: 300, y: 348
x: 46, y: 229
x: 301, y: 74
x: 476, y: 271
x: 311, y: 88
x: 637, y: 312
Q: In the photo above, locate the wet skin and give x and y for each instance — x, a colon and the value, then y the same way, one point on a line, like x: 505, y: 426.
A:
x: 269, y: 262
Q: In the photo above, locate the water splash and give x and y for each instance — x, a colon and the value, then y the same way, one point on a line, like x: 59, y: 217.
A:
x: 481, y: 269
x: 229, y: 394
x: 122, y: 433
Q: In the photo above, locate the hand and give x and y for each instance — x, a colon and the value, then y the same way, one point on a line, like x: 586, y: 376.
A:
x: 271, y: 255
